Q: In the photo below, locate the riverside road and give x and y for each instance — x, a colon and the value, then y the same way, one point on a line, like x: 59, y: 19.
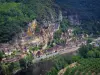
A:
x: 60, y: 52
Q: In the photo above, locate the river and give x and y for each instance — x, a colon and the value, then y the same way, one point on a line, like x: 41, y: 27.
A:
x: 42, y: 67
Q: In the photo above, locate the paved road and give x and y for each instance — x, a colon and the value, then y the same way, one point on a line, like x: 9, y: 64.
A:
x: 94, y: 41
x: 44, y: 57
x: 62, y: 51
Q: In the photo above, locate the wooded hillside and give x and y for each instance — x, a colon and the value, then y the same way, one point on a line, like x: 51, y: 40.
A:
x: 16, y: 14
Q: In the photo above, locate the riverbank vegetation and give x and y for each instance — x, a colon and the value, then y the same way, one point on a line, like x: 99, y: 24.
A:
x: 87, y: 66
x: 15, y: 16
x: 12, y: 67
x: 88, y: 59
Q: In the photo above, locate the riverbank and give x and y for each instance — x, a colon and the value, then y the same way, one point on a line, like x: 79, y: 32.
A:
x: 45, y: 58
x: 43, y: 66
x: 65, y: 50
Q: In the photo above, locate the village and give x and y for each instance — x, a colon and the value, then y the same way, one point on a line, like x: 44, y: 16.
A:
x: 30, y: 43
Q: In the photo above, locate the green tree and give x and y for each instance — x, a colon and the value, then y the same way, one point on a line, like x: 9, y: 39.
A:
x: 76, y: 58
x: 5, y: 68
x: 83, y: 50
x: 1, y: 55
x: 64, y: 25
x: 11, y: 67
x: 91, y: 54
x: 89, y: 41
x: 16, y: 14
x: 23, y: 63
x: 57, y: 34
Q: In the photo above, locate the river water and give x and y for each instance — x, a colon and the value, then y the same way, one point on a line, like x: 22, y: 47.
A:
x: 40, y: 68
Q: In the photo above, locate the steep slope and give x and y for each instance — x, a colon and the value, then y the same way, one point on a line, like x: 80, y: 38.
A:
x: 87, y: 9
x: 84, y: 11
x: 85, y: 67
x: 16, y: 14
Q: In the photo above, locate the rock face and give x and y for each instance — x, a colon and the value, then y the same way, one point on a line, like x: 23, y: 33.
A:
x: 29, y: 37
x: 84, y: 10
x: 74, y: 20
x: 60, y: 16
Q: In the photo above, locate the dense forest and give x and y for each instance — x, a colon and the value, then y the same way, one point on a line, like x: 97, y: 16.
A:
x: 87, y: 58
x: 87, y: 10
x: 16, y: 14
